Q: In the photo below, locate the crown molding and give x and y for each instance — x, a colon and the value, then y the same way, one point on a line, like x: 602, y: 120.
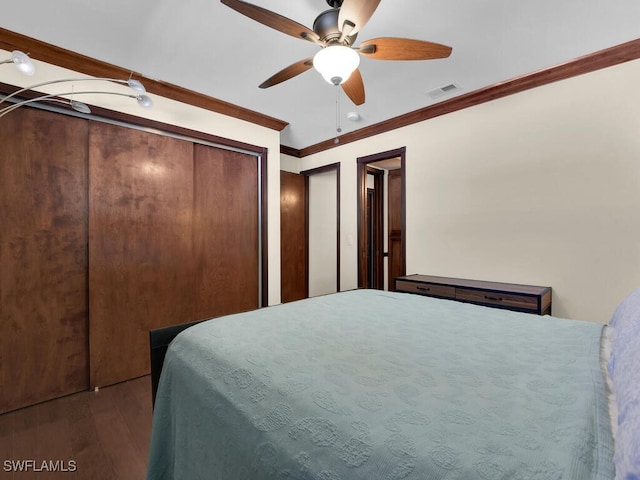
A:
x: 67, y: 59
x: 589, y: 63
x: 294, y: 152
x: 61, y: 57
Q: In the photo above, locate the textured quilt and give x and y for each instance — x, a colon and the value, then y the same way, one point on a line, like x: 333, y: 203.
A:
x: 376, y: 385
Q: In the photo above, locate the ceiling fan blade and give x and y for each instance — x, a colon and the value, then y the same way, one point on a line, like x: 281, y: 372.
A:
x: 287, y: 73
x: 388, y: 48
x: 273, y: 20
x: 358, y: 12
x: 354, y: 87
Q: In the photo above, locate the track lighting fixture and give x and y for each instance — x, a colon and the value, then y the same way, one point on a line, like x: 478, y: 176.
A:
x: 140, y: 94
x: 25, y: 65
x: 143, y: 101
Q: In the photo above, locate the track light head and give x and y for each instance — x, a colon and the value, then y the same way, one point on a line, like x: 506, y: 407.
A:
x: 136, y: 85
x: 144, y: 101
x: 22, y: 62
x: 80, y: 106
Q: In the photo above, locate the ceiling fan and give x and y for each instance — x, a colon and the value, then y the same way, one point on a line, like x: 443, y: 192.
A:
x: 335, y: 30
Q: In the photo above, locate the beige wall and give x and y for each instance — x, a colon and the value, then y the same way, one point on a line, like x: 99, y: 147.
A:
x: 542, y: 187
x: 289, y: 163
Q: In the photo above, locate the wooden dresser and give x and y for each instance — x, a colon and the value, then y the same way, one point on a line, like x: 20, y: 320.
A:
x: 520, y: 298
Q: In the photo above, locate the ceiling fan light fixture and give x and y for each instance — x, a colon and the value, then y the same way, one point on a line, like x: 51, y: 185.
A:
x: 336, y: 63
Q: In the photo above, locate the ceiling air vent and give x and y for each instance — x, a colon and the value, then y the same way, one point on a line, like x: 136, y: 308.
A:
x: 442, y: 91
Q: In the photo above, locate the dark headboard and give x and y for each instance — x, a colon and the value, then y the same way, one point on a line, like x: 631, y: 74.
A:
x: 159, y: 340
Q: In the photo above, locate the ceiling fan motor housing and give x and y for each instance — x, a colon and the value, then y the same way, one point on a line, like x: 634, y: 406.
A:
x: 326, y: 26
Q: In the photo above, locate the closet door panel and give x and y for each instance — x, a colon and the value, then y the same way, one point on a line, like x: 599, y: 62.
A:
x: 43, y: 257
x: 225, y: 227
x: 140, y: 257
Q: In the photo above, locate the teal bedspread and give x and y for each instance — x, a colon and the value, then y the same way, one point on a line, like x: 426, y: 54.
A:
x: 376, y: 385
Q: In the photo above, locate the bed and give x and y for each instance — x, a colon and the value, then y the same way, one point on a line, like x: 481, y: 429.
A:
x: 375, y: 385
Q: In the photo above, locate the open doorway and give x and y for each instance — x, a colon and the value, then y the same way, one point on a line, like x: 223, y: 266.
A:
x: 381, y: 219
x: 375, y: 227
x: 323, y: 229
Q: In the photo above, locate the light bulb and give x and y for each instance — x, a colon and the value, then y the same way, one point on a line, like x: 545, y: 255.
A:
x: 144, y: 101
x: 336, y: 63
x: 23, y: 62
x: 80, y: 106
x: 136, y: 85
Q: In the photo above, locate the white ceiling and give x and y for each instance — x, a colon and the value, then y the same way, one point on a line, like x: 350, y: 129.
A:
x: 205, y: 46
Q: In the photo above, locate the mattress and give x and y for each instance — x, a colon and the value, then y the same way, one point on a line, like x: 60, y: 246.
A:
x: 375, y: 385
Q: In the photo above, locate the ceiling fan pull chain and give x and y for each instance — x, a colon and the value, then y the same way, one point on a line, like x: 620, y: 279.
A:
x: 338, y: 128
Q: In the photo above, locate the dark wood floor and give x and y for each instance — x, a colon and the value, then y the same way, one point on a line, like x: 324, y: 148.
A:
x: 105, y: 433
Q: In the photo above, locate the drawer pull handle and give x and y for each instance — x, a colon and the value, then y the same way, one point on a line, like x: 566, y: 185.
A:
x: 495, y: 299
x: 423, y: 289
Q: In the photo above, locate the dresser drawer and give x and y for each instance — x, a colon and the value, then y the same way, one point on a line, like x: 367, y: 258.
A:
x: 507, y: 300
x: 430, y: 289
x: 509, y: 296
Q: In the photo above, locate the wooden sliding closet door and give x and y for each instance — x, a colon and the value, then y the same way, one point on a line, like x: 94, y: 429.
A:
x: 173, y: 235
x: 140, y: 237
x: 225, y: 232
x: 43, y: 257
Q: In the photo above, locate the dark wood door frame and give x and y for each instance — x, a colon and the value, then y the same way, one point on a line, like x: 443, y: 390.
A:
x: 307, y: 174
x: 361, y: 210
x: 375, y: 237
x: 263, y: 225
